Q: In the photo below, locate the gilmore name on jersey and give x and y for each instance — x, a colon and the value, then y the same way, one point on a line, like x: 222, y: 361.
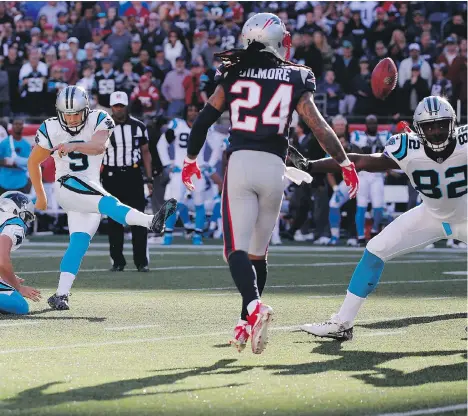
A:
x: 51, y: 133
x: 261, y: 102
x: 442, y: 184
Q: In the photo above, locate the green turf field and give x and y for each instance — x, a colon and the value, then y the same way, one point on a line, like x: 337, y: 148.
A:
x: 150, y: 344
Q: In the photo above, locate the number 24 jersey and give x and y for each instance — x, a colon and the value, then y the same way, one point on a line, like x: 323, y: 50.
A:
x: 442, y: 186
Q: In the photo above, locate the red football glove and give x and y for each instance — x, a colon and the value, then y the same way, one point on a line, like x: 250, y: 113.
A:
x: 190, y: 168
x: 403, y: 127
x: 351, y: 179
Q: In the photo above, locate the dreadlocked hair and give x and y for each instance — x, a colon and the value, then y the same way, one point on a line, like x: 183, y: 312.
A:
x: 252, y: 57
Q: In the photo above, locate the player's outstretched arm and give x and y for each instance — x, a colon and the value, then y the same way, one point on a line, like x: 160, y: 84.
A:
x: 325, y: 135
x: 376, y: 162
x: 96, y: 146
x: 37, y: 156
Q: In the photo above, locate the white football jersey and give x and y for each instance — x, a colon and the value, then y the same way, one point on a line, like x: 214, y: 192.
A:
x: 51, y: 134
x: 13, y: 227
x: 181, y: 136
x: 218, y: 143
x: 442, y: 186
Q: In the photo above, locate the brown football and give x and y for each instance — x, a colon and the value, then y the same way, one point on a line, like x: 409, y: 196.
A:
x: 384, y: 78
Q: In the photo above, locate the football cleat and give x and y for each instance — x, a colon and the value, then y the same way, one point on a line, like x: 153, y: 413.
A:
x: 197, y: 239
x: 116, y: 268
x: 322, y: 241
x: 352, y: 242
x: 333, y: 241
x: 275, y: 240
x: 259, y: 320
x: 361, y: 242
x: 59, y: 303
x: 333, y: 328
x: 241, y: 335
x: 429, y: 246
x: 159, y: 219
x: 167, y: 239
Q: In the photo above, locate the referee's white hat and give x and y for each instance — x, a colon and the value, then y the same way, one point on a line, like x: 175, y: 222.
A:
x: 118, y: 97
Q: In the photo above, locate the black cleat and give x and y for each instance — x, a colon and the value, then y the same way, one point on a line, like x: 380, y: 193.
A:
x: 361, y: 242
x: 115, y: 268
x: 143, y: 269
x: 59, y: 303
x: 159, y: 219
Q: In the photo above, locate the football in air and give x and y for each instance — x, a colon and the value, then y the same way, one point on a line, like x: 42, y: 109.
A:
x: 384, y: 78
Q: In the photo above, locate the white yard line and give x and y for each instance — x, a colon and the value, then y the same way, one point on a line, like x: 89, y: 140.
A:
x: 131, y: 327
x: 382, y: 333
x: 272, y: 249
x: 460, y: 273
x: 176, y: 337
x: 8, y: 324
x: 349, y: 263
x: 431, y: 411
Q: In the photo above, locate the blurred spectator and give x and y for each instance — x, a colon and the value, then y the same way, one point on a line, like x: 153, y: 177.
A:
x: 380, y: 30
x: 4, y: 91
x: 199, y: 42
x: 161, y: 65
x: 191, y: 85
x: 414, y: 90
x: 358, y: 32
x: 102, y: 26
x: 173, y: 48
x: 237, y: 11
x: 442, y: 86
x: 144, y: 61
x: 403, y: 18
x: 428, y: 48
x: 32, y: 78
x: 90, y: 59
x: 321, y: 43
x: 135, y: 48
x: 210, y: 48
x: 173, y: 89
x: 62, y: 20
x: 413, y: 33
x: 14, y: 153
x: 309, y: 55
x: 452, y: 59
x: 83, y: 30
x: 322, y: 23
x: 200, y: 19
x: 12, y: 64
x: 4, y: 16
x: 229, y: 33
x: 61, y: 35
x: 362, y: 89
x: 462, y: 89
x: 153, y: 35
x: 207, y: 80
x: 145, y: 97
x: 427, y: 27
x: 76, y: 54
x: 50, y: 56
x: 457, y: 26
x: 105, y: 84
x: 346, y: 67
x: 55, y: 84
x: 36, y: 41
x: 119, y: 41
x: 333, y: 92
x: 338, y: 34
x: 127, y: 80
x: 88, y: 82
x: 397, y: 47
x: 407, y: 65
x: 68, y: 66
x: 51, y: 10
x: 380, y: 53
x: 96, y: 39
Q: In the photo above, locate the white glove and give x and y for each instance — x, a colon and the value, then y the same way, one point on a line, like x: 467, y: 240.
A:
x: 297, y: 176
x: 9, y: 161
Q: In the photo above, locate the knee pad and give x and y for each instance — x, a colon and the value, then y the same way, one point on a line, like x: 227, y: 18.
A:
x: 79, y: 243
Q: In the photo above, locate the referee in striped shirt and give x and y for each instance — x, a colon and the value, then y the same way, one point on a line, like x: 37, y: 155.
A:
x: 122, y: 176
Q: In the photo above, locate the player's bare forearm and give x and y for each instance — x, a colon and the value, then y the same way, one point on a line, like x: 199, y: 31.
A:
x: 96, y: 146
x: 38, y: 155
x: 376, y: 162
x: 207, y: 117
x: 146, y: 156
x: 325, y: 135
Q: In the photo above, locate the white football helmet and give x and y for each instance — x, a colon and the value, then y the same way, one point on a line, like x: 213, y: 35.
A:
x: 18, y: 204
x: 72, y: 100
x: 433, y: 109
x: 268, y: 29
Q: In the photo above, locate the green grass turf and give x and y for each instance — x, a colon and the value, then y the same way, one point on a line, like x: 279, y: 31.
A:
x: 147, y: 344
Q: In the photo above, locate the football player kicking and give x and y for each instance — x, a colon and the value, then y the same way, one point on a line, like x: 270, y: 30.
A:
x: 16, y: 213
x: 435, y: 159
x: 261, y: 89
x: 77, y: 140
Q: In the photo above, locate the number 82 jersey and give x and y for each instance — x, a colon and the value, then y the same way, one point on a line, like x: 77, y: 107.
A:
x: 442, y: 186
x: 51, y: 133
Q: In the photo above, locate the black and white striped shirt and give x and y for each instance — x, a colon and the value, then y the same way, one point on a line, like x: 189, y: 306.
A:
x: 125, y: 144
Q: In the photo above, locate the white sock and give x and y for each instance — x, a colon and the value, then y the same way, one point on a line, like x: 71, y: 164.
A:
x: 350, y: 307
x: 252, y: 305
x: 65, y: 283
x: 135, y: 217
x: 335, y: 232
